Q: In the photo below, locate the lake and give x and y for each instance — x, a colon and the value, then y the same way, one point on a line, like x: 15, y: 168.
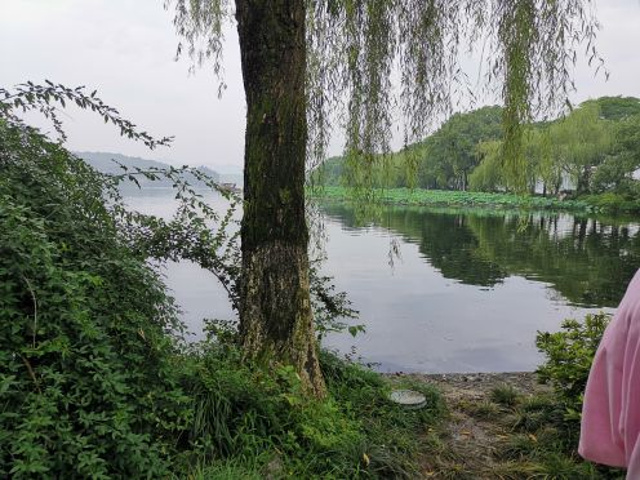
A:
x: 467, y: 289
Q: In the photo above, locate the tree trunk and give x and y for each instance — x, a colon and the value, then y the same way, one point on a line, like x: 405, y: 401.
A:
x: 276, y: 320
x: 584, y: 181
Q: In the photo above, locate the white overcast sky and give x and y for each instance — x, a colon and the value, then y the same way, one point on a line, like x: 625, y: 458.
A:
x: 125, y: 49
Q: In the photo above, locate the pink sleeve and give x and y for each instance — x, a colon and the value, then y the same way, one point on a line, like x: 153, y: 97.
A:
x: 611, y: 412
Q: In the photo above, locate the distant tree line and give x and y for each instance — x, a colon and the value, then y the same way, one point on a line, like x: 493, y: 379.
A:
x: 593, y: 149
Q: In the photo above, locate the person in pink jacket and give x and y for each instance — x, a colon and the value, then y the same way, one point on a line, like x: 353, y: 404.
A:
x: 610, y: 430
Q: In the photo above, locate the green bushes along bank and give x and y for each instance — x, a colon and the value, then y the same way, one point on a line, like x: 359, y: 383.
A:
x: 604, y: 203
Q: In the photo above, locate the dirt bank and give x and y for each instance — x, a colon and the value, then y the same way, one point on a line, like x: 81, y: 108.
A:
x: 477, y: 385
x: 477, y: 424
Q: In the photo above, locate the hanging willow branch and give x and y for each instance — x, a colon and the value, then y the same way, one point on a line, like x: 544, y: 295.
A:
x: 370, y: 61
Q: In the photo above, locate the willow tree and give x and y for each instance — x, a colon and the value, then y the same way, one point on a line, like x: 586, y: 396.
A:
x: 310, y: 65
x: 580, y: 143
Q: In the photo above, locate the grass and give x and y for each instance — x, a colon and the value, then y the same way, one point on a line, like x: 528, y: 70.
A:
x: 484, y: 409
x: 504, y: 395
x: 537, y: 443
x: 501, y: 433
x: 421, y: 197
x: 255, y: 423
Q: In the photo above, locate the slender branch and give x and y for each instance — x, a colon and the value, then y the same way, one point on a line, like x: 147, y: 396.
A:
x: 35, y: 309
x: 32, y: 373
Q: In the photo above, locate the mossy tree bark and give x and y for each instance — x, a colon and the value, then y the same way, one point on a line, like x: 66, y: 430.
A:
x: 276, y: 320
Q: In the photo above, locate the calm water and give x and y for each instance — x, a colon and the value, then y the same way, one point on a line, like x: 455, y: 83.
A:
x: 467, y: 291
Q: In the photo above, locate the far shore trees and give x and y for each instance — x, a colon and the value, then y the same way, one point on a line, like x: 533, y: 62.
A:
x: 307, y: 64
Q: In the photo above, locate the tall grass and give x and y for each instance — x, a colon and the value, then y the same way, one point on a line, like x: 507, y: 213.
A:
x: 252, y: 421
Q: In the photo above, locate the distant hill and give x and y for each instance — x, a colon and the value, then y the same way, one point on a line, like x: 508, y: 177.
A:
x: 106, y: 163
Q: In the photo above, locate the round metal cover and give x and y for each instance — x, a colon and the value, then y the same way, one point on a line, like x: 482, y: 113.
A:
x: 408, y: 398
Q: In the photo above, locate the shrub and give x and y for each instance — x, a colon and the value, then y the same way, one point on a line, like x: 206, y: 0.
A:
x: 88, y: 384
x: 614, y: 202
x: 569, y: 355
x: 505, y: 395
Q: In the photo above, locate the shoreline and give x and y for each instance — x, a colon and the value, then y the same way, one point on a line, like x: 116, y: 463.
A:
x: 479, y: 428
x: 476, y: 384
x: 402, y: 196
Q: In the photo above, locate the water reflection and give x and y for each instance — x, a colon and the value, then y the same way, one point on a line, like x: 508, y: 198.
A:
x: 588, y: 261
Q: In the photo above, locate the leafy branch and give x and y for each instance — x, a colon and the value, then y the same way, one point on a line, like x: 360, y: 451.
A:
x: 44, y: 98
x: 189, y: 235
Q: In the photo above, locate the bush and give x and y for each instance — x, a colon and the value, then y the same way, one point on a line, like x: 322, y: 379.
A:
x: 87, y: 383
x: 569, y: 355
x: 613, y: 202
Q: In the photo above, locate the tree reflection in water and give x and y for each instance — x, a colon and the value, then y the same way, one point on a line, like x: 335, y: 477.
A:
x: 588, y: 260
